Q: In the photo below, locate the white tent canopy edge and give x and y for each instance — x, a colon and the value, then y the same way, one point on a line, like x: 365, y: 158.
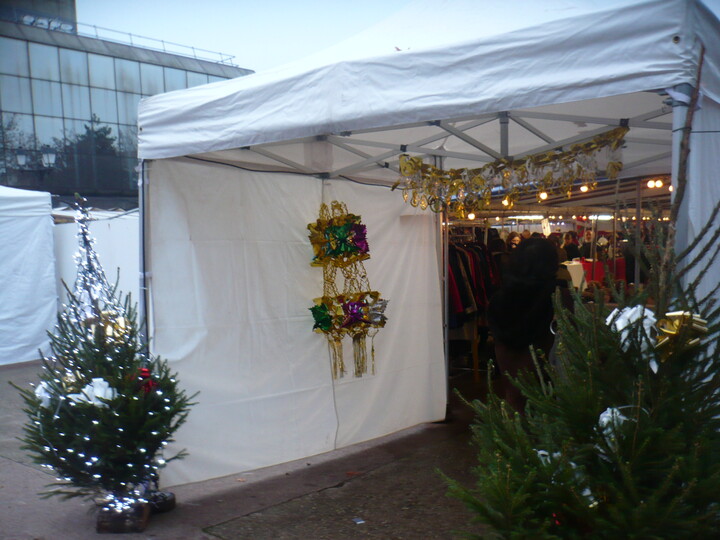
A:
x: 592, y: 50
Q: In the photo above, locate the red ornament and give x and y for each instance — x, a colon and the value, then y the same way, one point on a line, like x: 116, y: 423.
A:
x: 147, y: 384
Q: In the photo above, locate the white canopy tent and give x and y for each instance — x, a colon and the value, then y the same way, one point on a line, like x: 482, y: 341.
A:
x: 236, y: 169
x: 28, y: 303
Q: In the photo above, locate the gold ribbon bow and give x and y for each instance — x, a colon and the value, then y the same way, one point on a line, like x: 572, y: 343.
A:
x: 677, y: 324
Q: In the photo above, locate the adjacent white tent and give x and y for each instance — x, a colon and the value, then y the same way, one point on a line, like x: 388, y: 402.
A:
x: 116, y: 237
x: 235, y: 170
x: 28, y: 302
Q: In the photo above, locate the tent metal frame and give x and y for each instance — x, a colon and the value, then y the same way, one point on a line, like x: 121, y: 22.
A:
x: 358, y: 143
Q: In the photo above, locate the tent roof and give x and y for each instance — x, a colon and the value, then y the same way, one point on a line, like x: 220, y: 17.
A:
x: 22, y: 202
x: 441, y: 78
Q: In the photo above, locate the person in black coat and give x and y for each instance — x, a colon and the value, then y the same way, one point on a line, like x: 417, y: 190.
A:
x: 571, y: 248
x: 521, y: 312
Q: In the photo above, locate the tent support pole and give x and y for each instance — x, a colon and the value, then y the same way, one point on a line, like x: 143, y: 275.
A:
x: 445, y: 247
x: 638, y: 234
x: 144, y: 329
x: 504, y: 134
x: 680, y: 126
x: 445, y: 235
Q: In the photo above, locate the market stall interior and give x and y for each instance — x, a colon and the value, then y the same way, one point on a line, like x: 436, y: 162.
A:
x: 609, y: 213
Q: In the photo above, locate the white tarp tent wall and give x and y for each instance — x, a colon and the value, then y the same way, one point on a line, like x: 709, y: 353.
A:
x: 116, y: 237
x: 28, y: 302
x: 236, y: 169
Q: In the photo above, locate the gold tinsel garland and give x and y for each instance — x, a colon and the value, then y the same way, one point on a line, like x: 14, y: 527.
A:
x: 463, y: 190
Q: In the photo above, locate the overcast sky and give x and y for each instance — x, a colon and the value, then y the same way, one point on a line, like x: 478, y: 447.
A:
x: 261, y: 34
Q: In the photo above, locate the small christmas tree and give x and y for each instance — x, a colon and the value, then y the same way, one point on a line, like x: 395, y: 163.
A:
x: 104, y: 408
x: 620, y: 437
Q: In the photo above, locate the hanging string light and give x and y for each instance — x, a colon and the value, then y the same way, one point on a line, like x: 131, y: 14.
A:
x: 465, y: 190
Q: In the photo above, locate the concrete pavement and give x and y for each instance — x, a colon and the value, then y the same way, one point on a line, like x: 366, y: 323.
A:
x: 386, y: 488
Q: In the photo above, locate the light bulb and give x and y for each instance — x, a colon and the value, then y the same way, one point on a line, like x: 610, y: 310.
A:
x: 670, y: 188
x: 543, y: 195
x: 471, y: 216
x: 651, y: 184
x: 505, y: 201
x: 583, y: 188
x: 658, y: 183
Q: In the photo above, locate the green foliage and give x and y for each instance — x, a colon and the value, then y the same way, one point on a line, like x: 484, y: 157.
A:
x: 114, y: 445
x: 568, y: 468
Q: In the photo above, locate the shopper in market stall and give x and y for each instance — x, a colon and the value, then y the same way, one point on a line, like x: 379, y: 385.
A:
x: 586, y: 249
x: 513, y: 240
x: 521, y: 312
x: 500, y: 255
x: 570, y: 247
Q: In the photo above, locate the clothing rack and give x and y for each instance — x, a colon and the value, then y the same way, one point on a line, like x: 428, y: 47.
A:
x: 473, y: 277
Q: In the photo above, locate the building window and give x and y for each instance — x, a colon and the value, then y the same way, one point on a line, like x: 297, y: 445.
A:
x: 102, y: 71
x: 18, y: 130
x: 15, y: 94
x: 127, y: 75
x: 48, y: 131
x: 174, y: 79
x: 196, y: 79
x: 76, y: 101
x: 103, y: 105
x: 127, y: 107
x: 127, y: 140
x: 13, y: 57
x: 73, y: 67
x: 44, y: 62
x: 152, y: 79
x: 47, y: 99
x: 74, y: 128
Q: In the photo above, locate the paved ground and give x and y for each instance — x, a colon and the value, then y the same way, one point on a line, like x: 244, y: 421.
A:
x: 388, y: 488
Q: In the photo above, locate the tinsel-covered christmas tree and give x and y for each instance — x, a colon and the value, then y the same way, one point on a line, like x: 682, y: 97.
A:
x: 104, y: 408
x: 620, y: 436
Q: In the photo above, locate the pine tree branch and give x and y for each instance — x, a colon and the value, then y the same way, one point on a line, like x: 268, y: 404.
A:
x: 701, y: 255
x: 703, y: 232
x: 693, y: 286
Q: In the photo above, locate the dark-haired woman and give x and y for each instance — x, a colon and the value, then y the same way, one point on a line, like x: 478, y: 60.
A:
x: 513, y: 240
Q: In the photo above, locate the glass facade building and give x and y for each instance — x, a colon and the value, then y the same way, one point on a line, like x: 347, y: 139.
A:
x: 68, y: 106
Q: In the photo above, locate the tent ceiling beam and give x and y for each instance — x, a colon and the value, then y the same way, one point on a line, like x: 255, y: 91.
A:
x: 532, y: 129
x: 360, y: 165
x: 468, y: 139
x: 410, y: 148
x: 649, y: 159
x: 416, y: 147
x: 449, y: 153
x: 584, y: 136
x: 473, y: 121
x: 646, y: 140
x: 283, y: 142
x: 653, y: 114
x: 280, y: 159
x: 336, y: 141
x: 633, y: 122
x: 433, y: 138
